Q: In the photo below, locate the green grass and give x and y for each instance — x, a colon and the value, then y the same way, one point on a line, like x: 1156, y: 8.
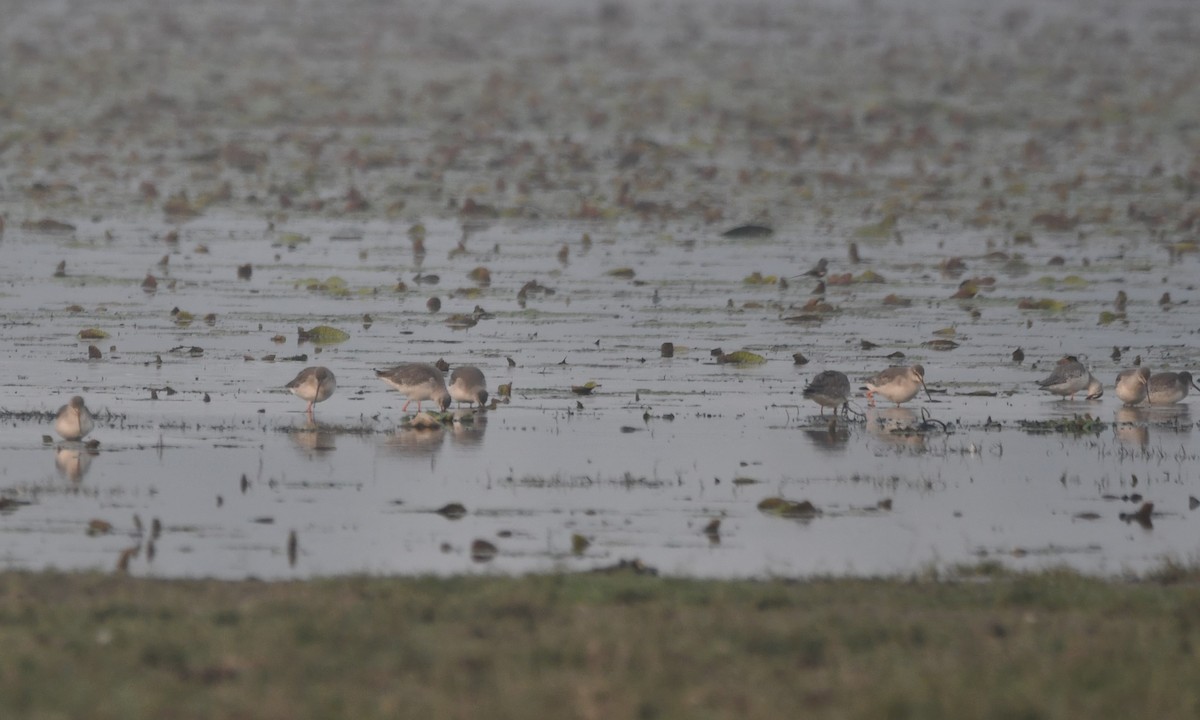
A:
x: 987, y: 645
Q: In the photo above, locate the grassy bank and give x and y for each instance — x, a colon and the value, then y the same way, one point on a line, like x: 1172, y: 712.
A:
x: 1053, y: 645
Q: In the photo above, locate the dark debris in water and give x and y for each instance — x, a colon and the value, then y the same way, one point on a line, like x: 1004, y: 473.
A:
x: 1078, y: 425
x: 782, y: 507
x: 750, y: 230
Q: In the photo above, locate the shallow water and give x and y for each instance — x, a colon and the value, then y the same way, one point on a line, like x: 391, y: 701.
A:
x: 638, y: 468
x: 664, y: 445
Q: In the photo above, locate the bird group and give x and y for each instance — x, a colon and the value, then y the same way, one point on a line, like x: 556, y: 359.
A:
x: 899, y: 384
x: 1133, y: 387
x: 416, y: 381
x: 831, y: 389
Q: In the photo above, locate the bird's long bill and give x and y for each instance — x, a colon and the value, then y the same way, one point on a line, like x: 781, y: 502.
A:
x: 926, y: 390
x: 1195, y: 385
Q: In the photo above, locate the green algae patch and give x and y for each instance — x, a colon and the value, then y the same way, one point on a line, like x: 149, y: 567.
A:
x: 322, y: 335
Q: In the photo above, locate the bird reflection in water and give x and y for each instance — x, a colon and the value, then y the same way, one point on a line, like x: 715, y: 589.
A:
x: 314, y: 439
x: 832, y: 437
x: 467, y: 431
x: 72, y: 460
x: 1174, y: 418
x: 897, y: 426
x: 1131, y: 426
x: 416, y: 442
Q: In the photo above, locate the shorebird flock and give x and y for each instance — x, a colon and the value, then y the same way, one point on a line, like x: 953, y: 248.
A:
x: 1070, y: 377
x: 416, y: 381
x: 420, y: 382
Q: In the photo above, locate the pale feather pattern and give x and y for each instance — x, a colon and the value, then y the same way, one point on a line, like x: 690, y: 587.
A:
x: 829, y: 389
x: 417, y: 381
x: 314, y: 384
x: 1069, y: 377
x: 1168, y: 387
x: 468, y: 385
x: 897, y: 384
x: 74, y: 420
x: 1132, y: 384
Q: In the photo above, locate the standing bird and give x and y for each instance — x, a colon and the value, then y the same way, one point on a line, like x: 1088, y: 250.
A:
x: 468, y: 385
x: 314, y: 384
x: 898, y: 384
x: 1132, y: 385
x: 1068, y: 378
x: 1167, y: 387
x: 829, y: 389
x: 74, y: 420
x: 417, y: 381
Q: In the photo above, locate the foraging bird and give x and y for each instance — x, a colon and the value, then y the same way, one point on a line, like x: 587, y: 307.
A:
x: 468, y: 385
x: 417, y: 381
x: 1167, y: 387
x: 898, y: 384
x: 1132, y: 385
x: 829, y: 389
x: 1095, y: 388
x: 74, y: 420
x: 314, y: 384
x: 1068, y: 378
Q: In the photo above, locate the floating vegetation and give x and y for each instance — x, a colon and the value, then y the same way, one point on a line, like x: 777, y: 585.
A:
x: 1078, y: 425
x: 803, y: 318
x: 788, y: 508
x: 623, y: 273
x: 584, y: 389
x: 333, y: 285
x: 533, y: 287
x: 461, y: 321
x: 99, y: 527
x: 741, y: 357
x: 1070, y: 281
x: 748, y: 231
x: 452, y: 511
x: 939, y: 344
x: 1047, y: 304
x: 967, y: 289
x: 428, y: 420
x: 757, y: 278
x: 91, y: 334
x: 579, y: 544
x: 322, y: 335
